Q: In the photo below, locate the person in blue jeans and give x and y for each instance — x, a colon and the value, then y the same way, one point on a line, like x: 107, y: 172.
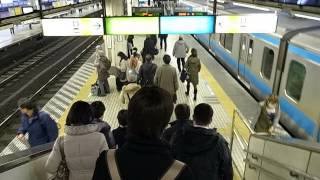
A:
x: 38, y: 124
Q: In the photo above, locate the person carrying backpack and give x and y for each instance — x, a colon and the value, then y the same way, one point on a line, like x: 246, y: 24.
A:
x: 144, y: 155
x: 103, y: 65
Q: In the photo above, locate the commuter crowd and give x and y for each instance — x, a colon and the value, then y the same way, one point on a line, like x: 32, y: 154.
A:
x: 145, y: 145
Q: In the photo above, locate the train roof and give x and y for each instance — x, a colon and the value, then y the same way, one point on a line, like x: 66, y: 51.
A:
x: 307, y: 39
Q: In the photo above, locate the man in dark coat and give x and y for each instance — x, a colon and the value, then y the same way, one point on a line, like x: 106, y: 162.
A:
x: 148, y: 47
x: 203, y: 148
x: 182, y: 112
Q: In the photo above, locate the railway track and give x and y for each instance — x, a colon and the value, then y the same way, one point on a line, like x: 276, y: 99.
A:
x: 41, y: 81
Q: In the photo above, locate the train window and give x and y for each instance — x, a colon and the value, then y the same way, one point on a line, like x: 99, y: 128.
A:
x: 267, y: 62
x: 296, y: 76
x: 222, y: 38
x: 228, y: 42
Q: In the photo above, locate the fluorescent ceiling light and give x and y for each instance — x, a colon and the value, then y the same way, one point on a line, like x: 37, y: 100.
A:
x: 307, y: 17
x: 251, y: 6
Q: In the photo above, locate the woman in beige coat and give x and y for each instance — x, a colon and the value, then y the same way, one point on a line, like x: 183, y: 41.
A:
x: 82, y: 144
x: 193, y: 67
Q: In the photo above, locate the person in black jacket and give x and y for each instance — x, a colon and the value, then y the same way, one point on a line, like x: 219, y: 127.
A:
x: 182, y: 112
x: 204, y: 149
x: 98, y: 109
x: 144, y: 155
x: 120, y: 133
x: 149, y: 47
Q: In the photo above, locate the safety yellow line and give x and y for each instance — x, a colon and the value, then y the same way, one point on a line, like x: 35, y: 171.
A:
x: 82, y: 95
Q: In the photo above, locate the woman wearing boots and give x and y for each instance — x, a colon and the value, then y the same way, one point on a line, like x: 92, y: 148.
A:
x: 193, y: 67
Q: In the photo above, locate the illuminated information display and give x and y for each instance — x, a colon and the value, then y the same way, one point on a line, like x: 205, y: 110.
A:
x: 251, y: 23
x: 132, y: 25
x: 73, y: 27
x: 186, y: 24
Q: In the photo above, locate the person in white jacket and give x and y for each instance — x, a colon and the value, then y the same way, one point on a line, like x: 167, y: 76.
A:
x: 82, y: 144
x: 180, y: 51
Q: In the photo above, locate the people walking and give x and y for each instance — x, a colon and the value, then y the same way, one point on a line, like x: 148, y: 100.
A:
x: 193, y: 67
x: 180, y: 51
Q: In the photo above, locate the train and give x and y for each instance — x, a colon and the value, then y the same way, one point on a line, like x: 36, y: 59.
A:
x: 286, y: 63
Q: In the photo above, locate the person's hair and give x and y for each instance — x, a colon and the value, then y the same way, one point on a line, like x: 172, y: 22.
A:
x: 98, y: 109
x: 26, y: 103
x: 149, y: 112
x: 180, y: 38
x: 136, y: 54
x: 182, y: 111
x: 194, y: 52
x: 202, y: 114
x: 272, y: 99
x: 148, y: 58
x: 166, y: 59
x: 122, y: 55
x: 123, y: 117
x: 79, y: 114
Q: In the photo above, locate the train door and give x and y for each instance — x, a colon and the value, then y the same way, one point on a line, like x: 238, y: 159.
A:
x: 245, y: 58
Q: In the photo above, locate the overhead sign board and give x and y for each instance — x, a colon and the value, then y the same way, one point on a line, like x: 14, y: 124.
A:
x: 186, y: 24
x: 132, y: 25
x: 251, y: 23
x: 73, y: 27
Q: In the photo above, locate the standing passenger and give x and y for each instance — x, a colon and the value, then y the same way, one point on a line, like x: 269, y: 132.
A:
x: 148, y: 47
x: 180, y: 50
x: 120, y: 133
x: 144, y: 155
x: 39, y: 125
x: 269, y: 116
x: 81, y: 144
x: 130, y: 44
x: 123, y: 65
x: 166, y: 78
x: 193, y: 67
x: 98, y: 110
x: 129, y: 90
x: 203, y: 148
x: 147, y: 72
x: 103, y: 65
x: 163, y: 38
x: 134, y: 65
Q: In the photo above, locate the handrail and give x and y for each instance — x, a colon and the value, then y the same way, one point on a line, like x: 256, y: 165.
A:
x: 293, y: 171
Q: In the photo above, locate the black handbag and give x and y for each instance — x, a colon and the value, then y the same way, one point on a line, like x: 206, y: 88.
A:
x: 184, y: 75
x: 62, y: 171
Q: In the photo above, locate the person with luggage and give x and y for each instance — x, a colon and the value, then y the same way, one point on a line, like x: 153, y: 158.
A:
x: 144, y: 155
x: 166, y: 77
x: 134, y: 65
x: 123, y: 65
x: 147, y: 72
x: 39, y: 125
x: 193, y: 67
x: 103, y: 65
x: 80, y: 147
x: 180, y: 51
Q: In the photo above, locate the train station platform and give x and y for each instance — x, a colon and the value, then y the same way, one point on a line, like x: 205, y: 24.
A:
x: 23, y: 31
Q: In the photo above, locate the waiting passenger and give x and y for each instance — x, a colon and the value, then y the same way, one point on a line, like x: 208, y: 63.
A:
x: 147, y: 72
x: 203, y: 148
x: 144, y: 155
x: 103, y: 65
x: 134, y: 65
x: 182, y: 112
x: 269, y: 116
x: 123, y: 65
x: 148, y: 47
x: 180, y: 51
x: 193, y: 67
x: 120, y: 133
x: 166, y: 77
x: 163, y: 38
x: 98, y: 110
x: 81, y: 144
x: 130, y: 44
x: 39, y: 125
x: 129, y: 90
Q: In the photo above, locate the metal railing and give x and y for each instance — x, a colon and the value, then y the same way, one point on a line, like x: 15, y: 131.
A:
x: 240, y: 131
